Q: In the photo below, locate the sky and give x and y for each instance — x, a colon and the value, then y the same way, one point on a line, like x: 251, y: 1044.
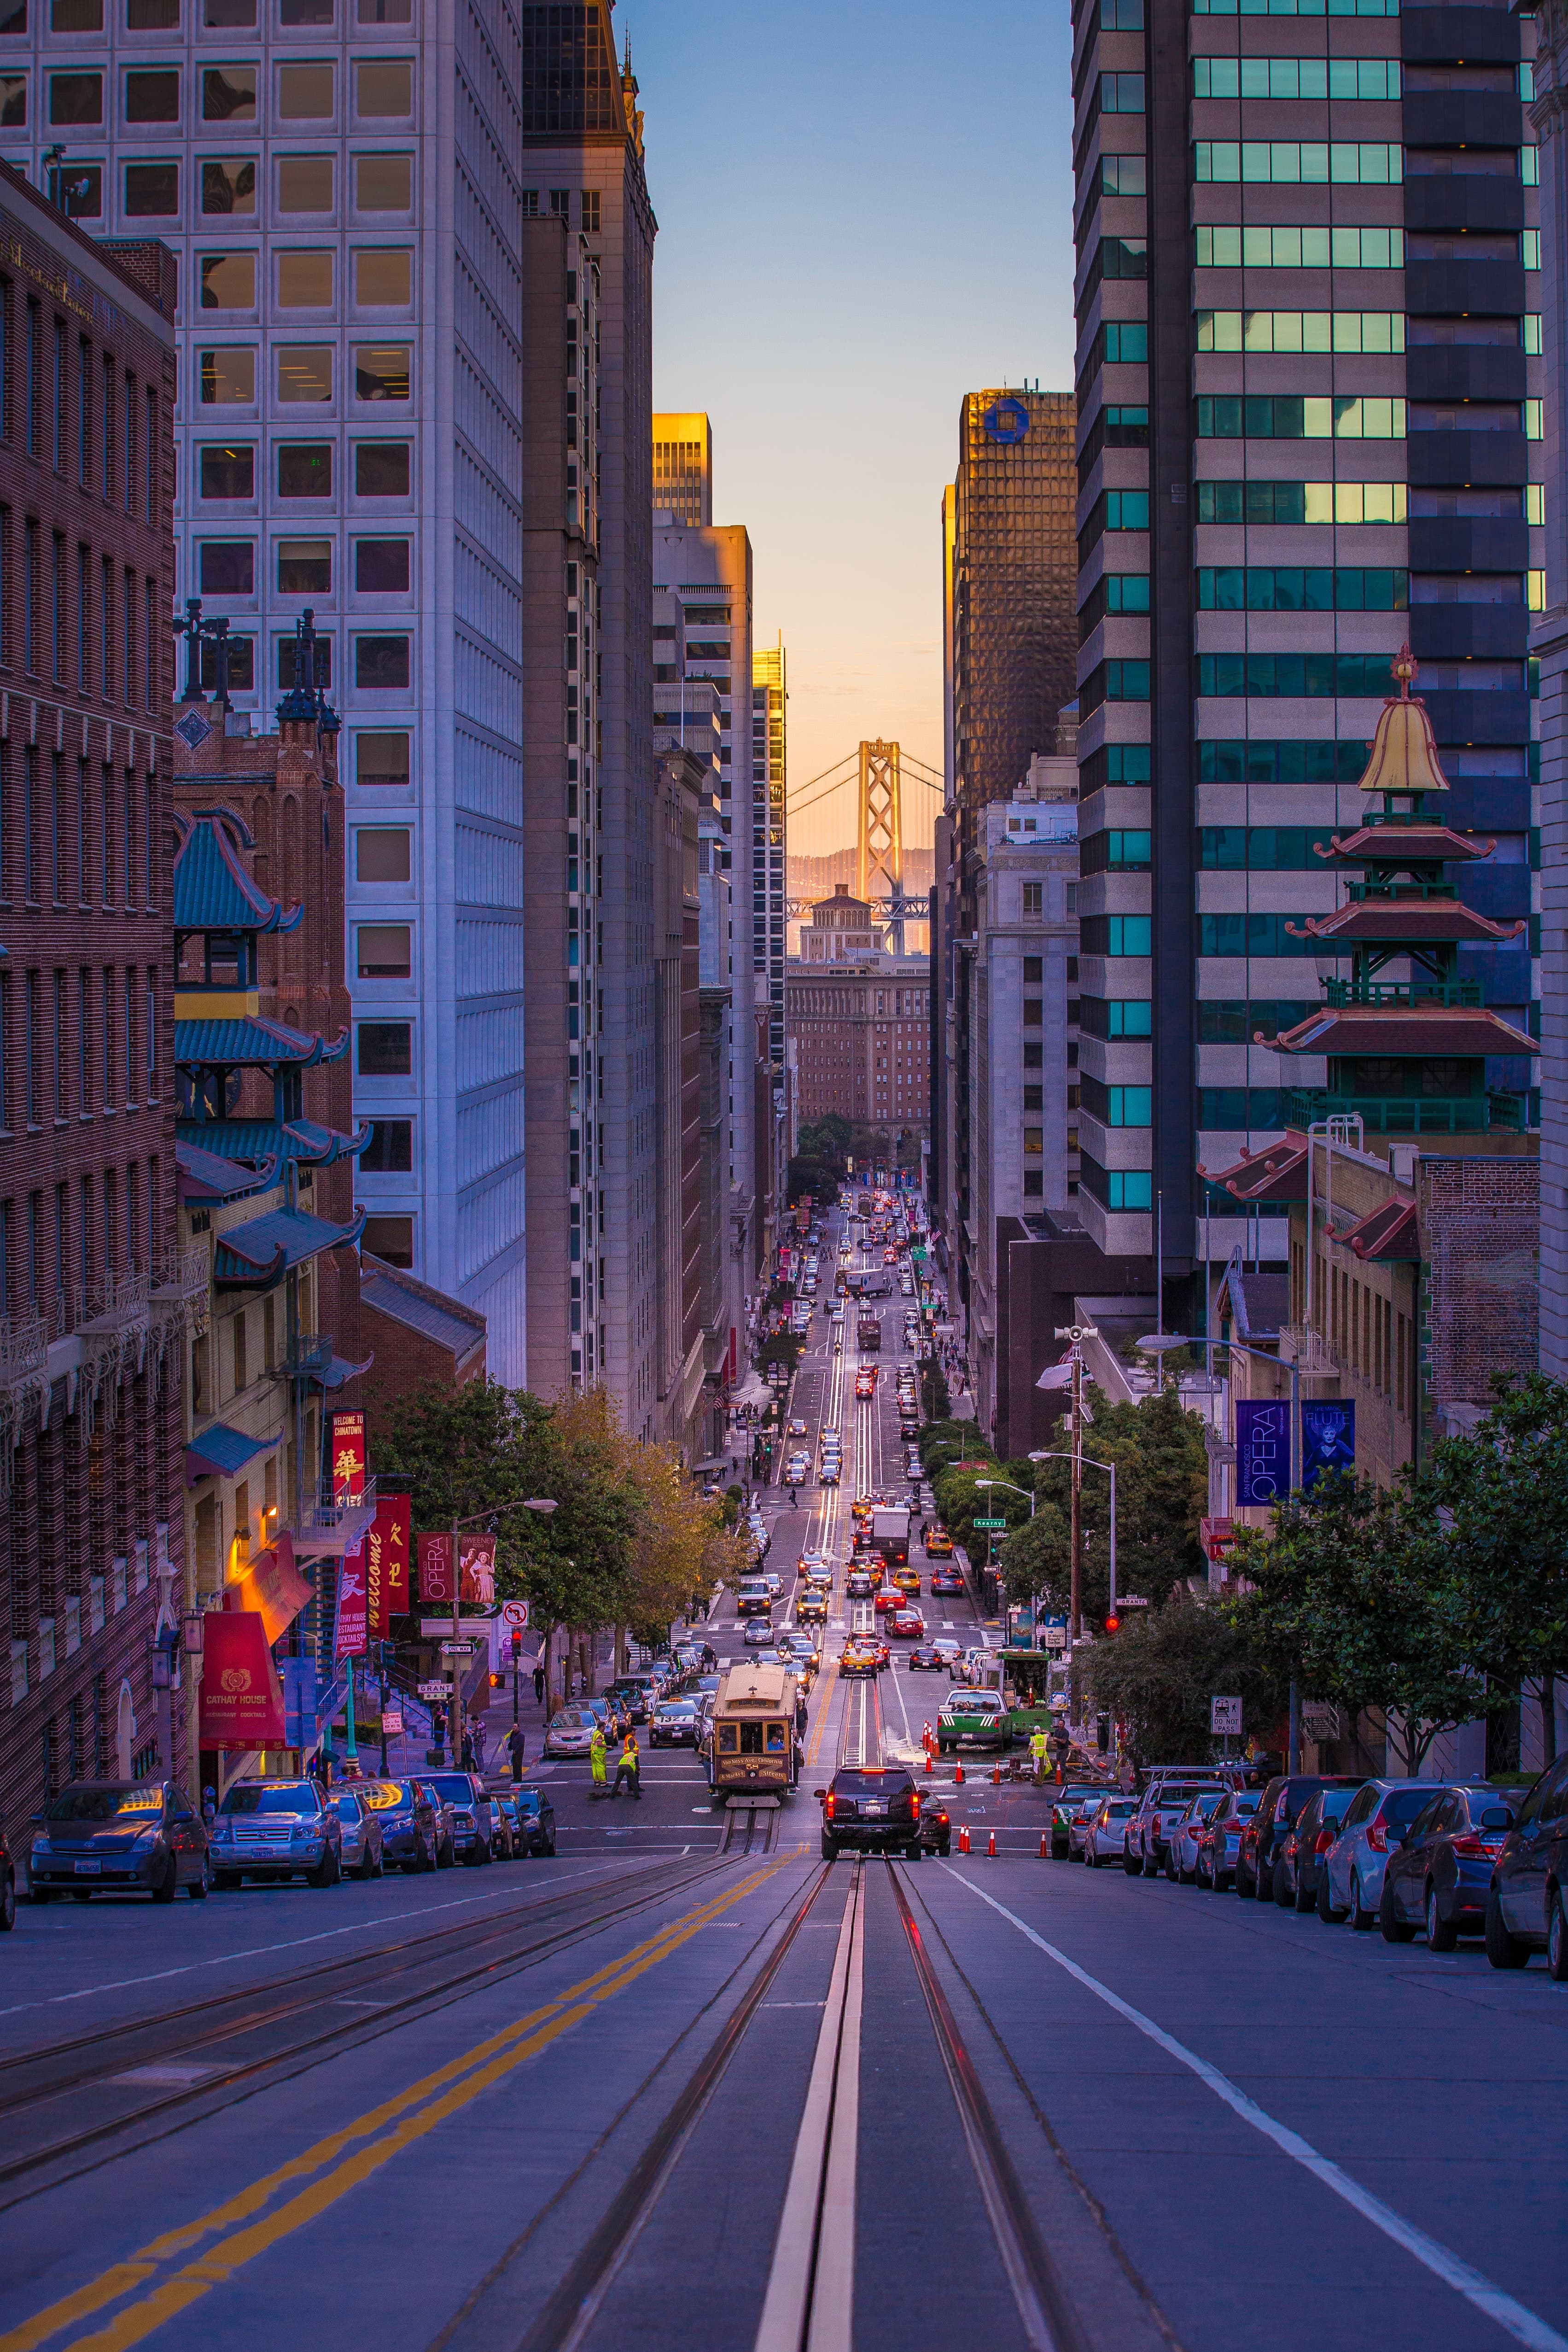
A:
x: 864, y: 212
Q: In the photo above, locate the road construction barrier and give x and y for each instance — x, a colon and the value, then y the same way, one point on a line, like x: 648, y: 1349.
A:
x: 963, y: 1839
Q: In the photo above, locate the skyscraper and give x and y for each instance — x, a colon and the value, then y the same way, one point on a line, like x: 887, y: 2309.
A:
x: 683, y: 465
x: 770, y: 843
x: 351, y: 321
x: 1310, y: 417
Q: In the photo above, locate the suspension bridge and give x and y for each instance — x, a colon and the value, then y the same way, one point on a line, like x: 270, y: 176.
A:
x: 878, y: 771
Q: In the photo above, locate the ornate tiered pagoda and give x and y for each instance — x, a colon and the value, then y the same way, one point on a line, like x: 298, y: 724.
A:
x: 1407, y: 1056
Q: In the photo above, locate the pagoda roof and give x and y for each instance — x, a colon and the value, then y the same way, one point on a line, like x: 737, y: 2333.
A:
x: 1386, y: 1233
x: 253, y: 1256
x: 206, y: 1180
x: 1404, y: 754
x: 1404, y: 845
x: 1277, y: 1172
x: 1423, y: 922
x: 253, y: 1041
x: 213, y: 891
x: 1403, y: 1030
x: 303, y: 1140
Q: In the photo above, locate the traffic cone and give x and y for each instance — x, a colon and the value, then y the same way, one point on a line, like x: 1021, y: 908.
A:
x: 1044, y: 1846
x: 992, y: 1846
x: 996, y: 1775
x: 958, y: 1775
x: 929, y: 1766
x: 964, y: 1838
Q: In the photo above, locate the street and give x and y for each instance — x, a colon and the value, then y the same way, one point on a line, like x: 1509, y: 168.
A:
x: 685, y: 2084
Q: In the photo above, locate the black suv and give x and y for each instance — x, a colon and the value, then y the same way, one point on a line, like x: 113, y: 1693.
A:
x: 871, y: 1808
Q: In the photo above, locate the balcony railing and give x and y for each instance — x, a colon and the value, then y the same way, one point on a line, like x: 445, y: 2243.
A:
x: 1402, y: 991
x: 301, y: 1358
x: 331, y: 1522
x: 1412, y: 1114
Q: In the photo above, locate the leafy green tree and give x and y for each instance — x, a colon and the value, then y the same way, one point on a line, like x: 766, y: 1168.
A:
x: 1161, y: 1493
x: 1158, y: 1674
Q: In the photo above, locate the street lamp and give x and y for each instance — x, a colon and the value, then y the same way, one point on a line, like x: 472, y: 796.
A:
x: 1110, y: 1469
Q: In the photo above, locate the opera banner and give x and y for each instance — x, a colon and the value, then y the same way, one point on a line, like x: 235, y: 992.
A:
x: 242, y: 1701
x: 348, y: 1455
x: 477, y: 1557
x: 435, y: 1568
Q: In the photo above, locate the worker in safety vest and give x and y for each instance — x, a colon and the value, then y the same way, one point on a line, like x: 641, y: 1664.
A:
x: 1037, y: 1748
x: 596, y: 1754
x: 629, y: 1767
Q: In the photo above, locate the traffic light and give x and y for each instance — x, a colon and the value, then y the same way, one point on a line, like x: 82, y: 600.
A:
x: 1112, y: 1623
x: 517, y: 1643
x: 495, y: 1681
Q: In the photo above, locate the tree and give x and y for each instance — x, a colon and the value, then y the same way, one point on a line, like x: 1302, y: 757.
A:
x: 1158, y: 1674
x: 1355, y: 1595
x: 1162, y: 1492
x: 827, y: 1139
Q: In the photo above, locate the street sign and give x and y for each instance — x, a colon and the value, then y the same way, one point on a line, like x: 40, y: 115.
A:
x: 391, y: 1721
x: 459, y: 1649
x: 1320, y: 1721
x: 1054, y: 1637
x: 433, y: 1690
x: 514, y: 1612
x: 990, y: 1523
x: 1132, y: 1601
x: 1225, y: 1715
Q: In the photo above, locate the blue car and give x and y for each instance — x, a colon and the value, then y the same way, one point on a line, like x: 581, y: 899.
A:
x: 533, y: 1819
x: 1438, y: 1878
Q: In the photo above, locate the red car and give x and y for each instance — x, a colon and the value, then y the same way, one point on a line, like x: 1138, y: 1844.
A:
x: 909, y: 1622
x: 889, y: 1597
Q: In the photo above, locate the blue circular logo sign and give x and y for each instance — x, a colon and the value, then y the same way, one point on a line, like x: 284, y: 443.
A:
x: 1006, y: 420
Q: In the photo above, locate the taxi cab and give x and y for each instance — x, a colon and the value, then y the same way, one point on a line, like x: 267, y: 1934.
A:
x: 938, y: 1544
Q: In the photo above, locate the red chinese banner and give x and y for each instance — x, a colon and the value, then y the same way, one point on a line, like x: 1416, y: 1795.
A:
x: 242, y: 1702
x: 348, y: 1455
x: 386, y: 1564
x: 272, y: 1587
x: 435, y: 1568
x: 479, y: 1565
x: 349, y: 1641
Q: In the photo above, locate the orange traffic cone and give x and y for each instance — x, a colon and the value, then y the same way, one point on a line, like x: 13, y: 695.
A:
x: 929, y: 1766
x: 996, y: 1775
x: 958, y: 1775
x: 1044, y: 1846
x: 964, y: 1838
x: 992, y: 1846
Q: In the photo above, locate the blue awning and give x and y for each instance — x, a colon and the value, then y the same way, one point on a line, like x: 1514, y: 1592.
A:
x: 219, y: 1452
x: 253, y: 1256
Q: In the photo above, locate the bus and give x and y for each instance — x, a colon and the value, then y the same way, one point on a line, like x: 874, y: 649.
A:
x: 752, y: 1749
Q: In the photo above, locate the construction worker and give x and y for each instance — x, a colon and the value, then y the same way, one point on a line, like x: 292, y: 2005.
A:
x: 629, y: 1767
x: 1037, y: 1745
x: 596, y: 1756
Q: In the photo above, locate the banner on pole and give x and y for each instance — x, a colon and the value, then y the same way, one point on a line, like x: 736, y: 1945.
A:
x: 477, y: 1559
x: 350, y: 1635
x: 1262, y: 1450
x: 435, y: 1566
x: 348, y: 1455
x: 1328, y: 1438
x: 386, y: 1563
x: 242, y: 1703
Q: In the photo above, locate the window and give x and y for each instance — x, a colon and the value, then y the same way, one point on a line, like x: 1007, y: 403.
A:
x: 1284, y: 418
x: 382, y: 853
x: 305, y: 93
x: 381, y: 371
x: 1113, y: 592
x: 1359, y: 78
x: 227, y: 473
x: 322, y: 659
x: 1117, y: 1188
x: 305, y: 183
x: 228, y: 567
x: 1250, y: 760
x: 153, y: 97
x: 228, y: 94
x: 383, y: 90
x: 385, y: 1049
x: 1289, y: 588
x: 305, y: 469
x: 242, y: 665
x: 380, y: 663
x: 1287, y: 160
x: 75, y: 98
x: 1289, y: 502
x: 229, y: 376
x: 152, y: 15
x: 384, y: 951
x: 303, y: 567
x: 229, y: 281
x: 1300, y: 330
x: 591, y: 213
x: 152, y: 190
x: 382, y: 470
x: 1123, y: 175
x: 304, y: 373
x: 1256, y: 934
x: 1318, y: 675
x: 1114, y: 681
x: 389, y: 1238
x: 1120, y: 94
x: 1034, y: 901
x: 382, y: 758
x: 1119, y: 851
x: 305, y: 280
x: 389, y: 1151
x: 304, y: 12
x: 383, y: 184
x: 1117, y: 1105
x: 1265, y: 247
x: 381, y: 566
x: 1118, y: 935
x: 1297, y: 7
x: 230, y: 16
x: 228, y: 184
x: 383, y: 277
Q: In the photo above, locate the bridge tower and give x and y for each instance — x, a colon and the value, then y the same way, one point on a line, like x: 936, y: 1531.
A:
x: 879, y: 862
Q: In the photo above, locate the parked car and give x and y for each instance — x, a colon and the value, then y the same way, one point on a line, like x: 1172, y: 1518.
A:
x: 1378, y: 1818
x: 125, y: 1837
x: 409, y: 1823
x: 276, y: 1829
x: 972, y: 1718
x: 1181, y: 1846
x: 1524, y: 1902
x: 361, y: 1851
x: 1216, y: 1849
x: 871, y: 1808
x: 1105, y: 1828
x: 533, y: 1820
x: 1439, y: 1878
x: 1276, y: 1816
x: 1068, y: 1807
x: 472, y: 1823
x: 1302, y: 1856
x: 936, y: 1825
x: 1159, y: 1808
x: 569, y: 1732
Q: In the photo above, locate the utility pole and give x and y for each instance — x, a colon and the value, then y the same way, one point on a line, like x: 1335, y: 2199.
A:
x: 1076, y: 1333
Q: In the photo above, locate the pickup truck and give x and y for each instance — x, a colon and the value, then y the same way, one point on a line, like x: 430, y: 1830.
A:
x: 972, y: 1718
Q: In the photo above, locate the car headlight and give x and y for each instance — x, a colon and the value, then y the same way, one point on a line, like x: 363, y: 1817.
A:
x: 222, y: 1832
x: 41, y: 1844
x: 147, y: 1837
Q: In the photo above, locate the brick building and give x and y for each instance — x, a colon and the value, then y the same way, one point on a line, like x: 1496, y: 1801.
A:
x: 92, y: 1288
x: 860, y: 1022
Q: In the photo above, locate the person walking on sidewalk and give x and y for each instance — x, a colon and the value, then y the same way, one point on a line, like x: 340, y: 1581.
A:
x: 516, y: 1748
x: 539, y: 1683
x: 629, y: 1767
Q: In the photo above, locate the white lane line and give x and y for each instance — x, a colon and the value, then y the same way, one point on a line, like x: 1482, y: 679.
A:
x: 1511, y: 2316
x: 293, y: 1944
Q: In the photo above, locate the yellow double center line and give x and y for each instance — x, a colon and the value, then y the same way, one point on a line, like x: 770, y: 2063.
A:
x: 253, y: 2222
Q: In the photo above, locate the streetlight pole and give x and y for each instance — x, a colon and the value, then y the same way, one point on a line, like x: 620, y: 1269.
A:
x: 1110, y: 1469
x: 1076, y: 1333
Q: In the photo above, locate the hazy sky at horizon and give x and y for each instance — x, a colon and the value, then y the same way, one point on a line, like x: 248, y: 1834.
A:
x: 863, y: 214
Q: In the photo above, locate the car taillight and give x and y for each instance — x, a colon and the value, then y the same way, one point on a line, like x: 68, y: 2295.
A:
x: 1470, y: 1846
x: 828, y: 1808
x: 1377, y: 1838
x: 915, y: 1801
x: 1323, y: 1840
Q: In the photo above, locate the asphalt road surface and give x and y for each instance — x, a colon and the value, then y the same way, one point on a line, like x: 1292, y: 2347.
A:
x: 687, y: 2086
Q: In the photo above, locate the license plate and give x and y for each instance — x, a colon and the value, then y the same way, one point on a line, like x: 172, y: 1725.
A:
x: 89, y: 1869
x: 874, y: 1809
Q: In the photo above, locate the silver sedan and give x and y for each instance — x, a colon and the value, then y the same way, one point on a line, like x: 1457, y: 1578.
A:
x: 1181, y: 1851
x: 1105, y: 1830
x: 362, y: 1855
